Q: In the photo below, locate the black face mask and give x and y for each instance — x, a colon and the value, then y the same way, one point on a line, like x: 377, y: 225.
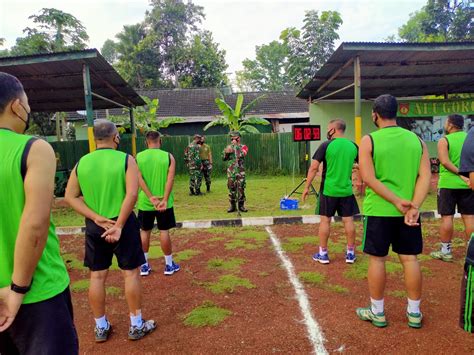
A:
x: 117, y: 142
x: 28, y: 118
x: 375, y: 122
x: 330, y: 134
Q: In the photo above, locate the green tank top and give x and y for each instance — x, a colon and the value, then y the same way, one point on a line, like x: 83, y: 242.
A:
x: 50, y: 277
x: 397, y: 155
x: 153, y: 165
x: 101, y: 176
x: 341, y: 154
x: 447, y: 179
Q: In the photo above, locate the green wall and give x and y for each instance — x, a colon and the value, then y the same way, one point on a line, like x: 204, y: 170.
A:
x: 323, y: 112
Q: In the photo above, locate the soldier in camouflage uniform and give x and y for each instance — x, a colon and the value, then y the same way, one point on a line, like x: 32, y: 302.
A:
x: 234, y: 154
x: 194, y: 164
x: 206, y: 157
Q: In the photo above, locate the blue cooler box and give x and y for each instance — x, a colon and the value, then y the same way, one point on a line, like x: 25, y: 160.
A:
x: 288, y: 204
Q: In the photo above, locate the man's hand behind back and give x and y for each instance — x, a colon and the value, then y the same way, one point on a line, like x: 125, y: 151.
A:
x: 10, y: 303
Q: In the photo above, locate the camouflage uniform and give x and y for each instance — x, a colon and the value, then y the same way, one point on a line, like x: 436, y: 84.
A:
x: 206, y: 164
x: 194, y: 164
x: 236, y: 175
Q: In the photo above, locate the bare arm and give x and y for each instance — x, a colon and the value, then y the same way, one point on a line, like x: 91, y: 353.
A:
x: 169, y: 184
x: 143, y: 185
x: 312, y: 171
x: 422, y: 188
x: 74, y: 199
x: 34, y: 225
x: 367, y: 172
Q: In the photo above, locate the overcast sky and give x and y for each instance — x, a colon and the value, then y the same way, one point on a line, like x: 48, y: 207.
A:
x: 238, y: 26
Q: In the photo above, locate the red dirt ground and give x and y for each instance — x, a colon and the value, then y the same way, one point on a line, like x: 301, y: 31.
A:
x: 267, y: 319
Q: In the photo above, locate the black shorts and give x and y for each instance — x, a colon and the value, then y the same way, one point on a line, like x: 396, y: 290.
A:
x: 128, y: 249
x: 344, y: 206
x: 165, y: 220
x: 448, y: 199
x: 381, y: 232
x: 45, y: 327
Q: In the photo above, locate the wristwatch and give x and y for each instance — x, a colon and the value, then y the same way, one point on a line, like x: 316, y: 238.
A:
x: 20, y: 289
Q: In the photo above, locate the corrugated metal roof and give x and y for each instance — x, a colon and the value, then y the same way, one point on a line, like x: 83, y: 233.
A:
x: 54, y: 81
x: 401, y: 69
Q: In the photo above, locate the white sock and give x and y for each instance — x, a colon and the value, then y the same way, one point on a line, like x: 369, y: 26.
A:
x: 376, y: 305
x: 101, y: 322
x: 146, y: 258
x: 323, y: 251
x: 169, y: 259
x: 137, y: 320
x: 413, y: 306
x: 445, y: 248
x: 350, y: 249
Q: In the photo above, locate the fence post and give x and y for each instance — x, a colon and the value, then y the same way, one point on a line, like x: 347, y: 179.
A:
x: 279, y: 151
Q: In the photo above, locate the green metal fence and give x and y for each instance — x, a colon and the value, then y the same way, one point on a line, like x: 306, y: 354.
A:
x: 269, y: 153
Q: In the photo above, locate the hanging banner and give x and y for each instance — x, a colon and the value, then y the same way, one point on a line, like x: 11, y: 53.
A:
x: 430, y: 108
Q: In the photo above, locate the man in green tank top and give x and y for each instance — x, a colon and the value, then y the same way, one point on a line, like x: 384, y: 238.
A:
x: 394, y: 163
x: 338, y: 155
x: 35, y: 303
x: 103, y: 187
x: 155, y: 200
x: 453, y: 189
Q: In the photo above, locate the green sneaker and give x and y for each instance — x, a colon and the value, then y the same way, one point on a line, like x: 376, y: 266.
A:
x: 377, y: 319
x: 442, y: 256
x: 414, y: 320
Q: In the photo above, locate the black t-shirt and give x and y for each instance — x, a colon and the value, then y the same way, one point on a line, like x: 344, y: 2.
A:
x: 467, y: 155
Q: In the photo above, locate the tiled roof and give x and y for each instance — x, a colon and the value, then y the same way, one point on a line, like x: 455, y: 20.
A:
x: 189, y: 103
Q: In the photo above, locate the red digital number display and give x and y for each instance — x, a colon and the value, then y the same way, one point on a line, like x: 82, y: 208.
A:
x: 306, y: 133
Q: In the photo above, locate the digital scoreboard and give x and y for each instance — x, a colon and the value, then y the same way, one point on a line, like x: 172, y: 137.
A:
x: 306, y: 133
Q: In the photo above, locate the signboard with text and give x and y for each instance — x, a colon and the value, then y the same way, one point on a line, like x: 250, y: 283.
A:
x: 306, y: 133
x: 430, y: 108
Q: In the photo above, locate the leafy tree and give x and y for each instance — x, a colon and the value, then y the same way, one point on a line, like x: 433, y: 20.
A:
x: 55, y: 31
x: 235, y: 118
x: 145, y: 117
x: 440, y: 21
x: 203, y: 64
x: 268, y: 71
x: 109, y: 51
x: 311, y: 47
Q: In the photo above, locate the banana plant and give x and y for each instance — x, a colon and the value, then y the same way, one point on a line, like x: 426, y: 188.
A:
x: 145, y: 117
x: 235, y: 118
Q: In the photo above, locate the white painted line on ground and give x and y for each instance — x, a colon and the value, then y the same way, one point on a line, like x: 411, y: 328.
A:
x: 311, y: 219
x: 197, y: 224
x: 314, y: 331
x: 257, y: 221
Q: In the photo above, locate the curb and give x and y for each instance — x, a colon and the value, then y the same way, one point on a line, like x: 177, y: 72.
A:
x: 250, y: 221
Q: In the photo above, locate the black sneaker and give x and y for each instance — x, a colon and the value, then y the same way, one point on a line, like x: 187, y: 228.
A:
x: 102, y: 334
x: 136, y: 333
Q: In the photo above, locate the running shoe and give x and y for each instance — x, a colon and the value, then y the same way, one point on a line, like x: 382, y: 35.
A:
x: 350, y: 258
x: 145, y: 269
x: 102, y: 334
x: 414, y: 320
x: 442, y: 256
x: 377, y: 319
x: 171, y: 269
x: 136, y: 333
x: 322, y: 258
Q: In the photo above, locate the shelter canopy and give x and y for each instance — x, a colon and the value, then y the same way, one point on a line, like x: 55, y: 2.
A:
x: 400, y: 69
x: 55, y: 81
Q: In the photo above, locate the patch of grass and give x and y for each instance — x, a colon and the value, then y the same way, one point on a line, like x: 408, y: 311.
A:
x: 208, y: 314
x: 294, y: 244
x: 458, y: 243
x: 358, y: 270
x: 257, y: 235
x: 263, y: 274
x: 80, y: 285
x: 114, y: 266
x: 213, y: 239
x: 241, y: 244
x: 424, y: 257
x: 337, y: 288
x: 426, y: 271
x: 398, y: 293
x: 232, y: 264
x: 311, y: 277
x: 393, y: 268
x: 155, y: 252
x: 228, y: 283
x: 113, y: 291
x: 336, y: 248
x: 73, y: 263
x: 186, y: 254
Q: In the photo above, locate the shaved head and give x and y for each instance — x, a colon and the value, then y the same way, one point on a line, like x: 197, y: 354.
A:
x: 338, y: 124
x: 104, y: 129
